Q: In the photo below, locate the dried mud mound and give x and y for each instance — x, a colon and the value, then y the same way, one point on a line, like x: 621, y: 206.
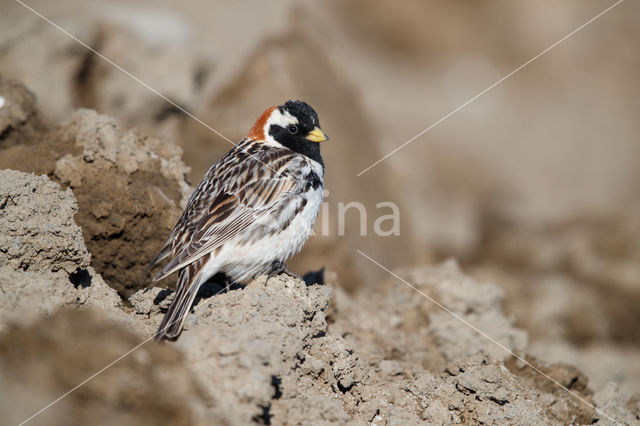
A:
x: 40, y: 230
x: 412, y: 325
x: 267, y: 351
x: 282, y: 353
x: 291, y: 353
x: 44, y: 263
x: 61, y: 323
x: 129, y: 188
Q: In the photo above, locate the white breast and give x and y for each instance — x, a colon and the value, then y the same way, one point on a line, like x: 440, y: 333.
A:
x: 244, y: 262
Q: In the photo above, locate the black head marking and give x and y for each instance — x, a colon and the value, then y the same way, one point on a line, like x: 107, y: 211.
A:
x: 294, y: 139
x: 307, y: 117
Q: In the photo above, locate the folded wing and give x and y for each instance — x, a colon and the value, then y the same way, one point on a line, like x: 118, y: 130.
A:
x: 254, y: 199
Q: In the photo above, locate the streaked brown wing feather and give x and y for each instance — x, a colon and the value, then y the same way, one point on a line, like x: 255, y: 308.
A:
x: 246, y: 193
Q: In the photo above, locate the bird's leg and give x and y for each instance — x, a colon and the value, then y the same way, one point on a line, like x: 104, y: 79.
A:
x: 228, y: 283
x: 278, y: 267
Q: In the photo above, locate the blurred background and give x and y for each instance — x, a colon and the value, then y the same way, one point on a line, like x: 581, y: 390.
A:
x: 533, y: 186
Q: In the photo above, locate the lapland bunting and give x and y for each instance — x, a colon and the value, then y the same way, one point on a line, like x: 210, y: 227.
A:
x: 253, y: 209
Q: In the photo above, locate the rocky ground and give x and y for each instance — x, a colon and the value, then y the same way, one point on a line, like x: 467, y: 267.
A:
x: 98, y: 205
x: 286, y: 352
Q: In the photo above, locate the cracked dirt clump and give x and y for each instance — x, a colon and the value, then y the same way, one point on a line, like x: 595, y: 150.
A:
x: 39, y: 230
x: 44, y: 263
x: 129, y: 189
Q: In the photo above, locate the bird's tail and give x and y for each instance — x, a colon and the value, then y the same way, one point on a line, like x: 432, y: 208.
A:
x: 186, y: 290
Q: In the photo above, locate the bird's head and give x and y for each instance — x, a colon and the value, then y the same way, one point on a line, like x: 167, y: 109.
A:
x: 294, y: 125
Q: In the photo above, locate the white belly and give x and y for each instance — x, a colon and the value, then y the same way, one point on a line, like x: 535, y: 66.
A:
x: 242, y: 263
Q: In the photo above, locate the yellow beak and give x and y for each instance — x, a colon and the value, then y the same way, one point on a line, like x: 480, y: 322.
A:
x: 316, y: 135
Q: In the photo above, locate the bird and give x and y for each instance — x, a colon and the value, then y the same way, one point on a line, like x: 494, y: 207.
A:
x: 253, y: 210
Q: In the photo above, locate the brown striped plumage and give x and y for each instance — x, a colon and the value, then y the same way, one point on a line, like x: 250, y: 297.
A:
x: 254, y: 194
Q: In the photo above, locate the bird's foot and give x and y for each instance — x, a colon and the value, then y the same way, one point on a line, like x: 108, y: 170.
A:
x: 278, y: 267
x: 227, y: 285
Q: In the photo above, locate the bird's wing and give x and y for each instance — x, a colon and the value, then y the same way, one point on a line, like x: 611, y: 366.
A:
x: 218, y: 178
x: 245, y: 197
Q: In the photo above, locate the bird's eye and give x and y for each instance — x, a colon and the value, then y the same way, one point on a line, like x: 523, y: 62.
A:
x: 293, y: 129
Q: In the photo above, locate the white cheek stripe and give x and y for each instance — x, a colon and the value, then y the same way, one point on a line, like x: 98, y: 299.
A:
x: 277, y: 117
